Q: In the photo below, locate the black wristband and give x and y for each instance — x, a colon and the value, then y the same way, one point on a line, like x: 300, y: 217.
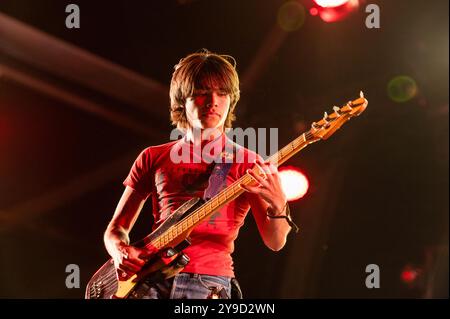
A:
x: 287, y: 217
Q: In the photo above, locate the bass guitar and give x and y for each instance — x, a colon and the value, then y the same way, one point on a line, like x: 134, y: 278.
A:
x: 172, y: 236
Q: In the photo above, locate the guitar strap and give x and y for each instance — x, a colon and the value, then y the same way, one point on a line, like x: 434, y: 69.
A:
x: 216, y: 180
x: 219, y: 173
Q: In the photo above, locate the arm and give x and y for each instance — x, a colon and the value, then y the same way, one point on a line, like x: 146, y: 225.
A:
x: 127, y: 259
x: 268, y: 194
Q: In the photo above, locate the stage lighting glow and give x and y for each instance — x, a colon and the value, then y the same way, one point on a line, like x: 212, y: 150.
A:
x: 294, y: 183
x: 410, y: 274
x: 291, y: 16
x: 402, y: 88
x: 330, y: 3
x: 314, y: 11
x: 334, y: 10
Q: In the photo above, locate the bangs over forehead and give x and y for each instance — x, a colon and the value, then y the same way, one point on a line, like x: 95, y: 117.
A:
x: 209, y: 75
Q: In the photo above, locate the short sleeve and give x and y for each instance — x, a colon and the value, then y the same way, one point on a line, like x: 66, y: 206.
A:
x: 139, y: 177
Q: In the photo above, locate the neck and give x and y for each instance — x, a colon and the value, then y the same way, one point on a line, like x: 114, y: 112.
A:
x: 199, y: 136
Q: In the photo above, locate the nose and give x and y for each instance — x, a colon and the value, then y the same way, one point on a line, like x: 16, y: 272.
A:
x: 211, y: 100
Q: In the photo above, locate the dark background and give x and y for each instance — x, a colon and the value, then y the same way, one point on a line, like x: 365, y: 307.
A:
x: 378, y: 188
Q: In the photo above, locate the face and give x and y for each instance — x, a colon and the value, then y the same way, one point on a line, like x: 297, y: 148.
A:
x: 207, y: 108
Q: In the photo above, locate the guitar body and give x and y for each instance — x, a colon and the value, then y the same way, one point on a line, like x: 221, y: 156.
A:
x: 169, y: 261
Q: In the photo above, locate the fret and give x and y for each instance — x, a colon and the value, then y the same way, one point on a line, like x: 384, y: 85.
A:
x: 156, y: 243
x: 290, y: 147
x: 217, y: 202
x: 210, y: 205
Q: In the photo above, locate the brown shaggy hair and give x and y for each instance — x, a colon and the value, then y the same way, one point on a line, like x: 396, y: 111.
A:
x: 199, y: 71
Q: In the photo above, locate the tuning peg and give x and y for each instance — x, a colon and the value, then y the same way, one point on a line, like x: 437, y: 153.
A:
x: 315, y: 126
x: 337, y: 110
x: 361, y: 94
x: 325, y: 116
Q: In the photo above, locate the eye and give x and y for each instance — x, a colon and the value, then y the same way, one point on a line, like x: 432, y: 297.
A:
x: 200, y: 93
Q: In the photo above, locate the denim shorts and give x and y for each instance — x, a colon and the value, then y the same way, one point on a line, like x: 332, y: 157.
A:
x: 186, y: 286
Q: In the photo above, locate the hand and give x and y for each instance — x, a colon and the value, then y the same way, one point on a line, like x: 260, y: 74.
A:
x: 129, y: 260
x: 267, y: 186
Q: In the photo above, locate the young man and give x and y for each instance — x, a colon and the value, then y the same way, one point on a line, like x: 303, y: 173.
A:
x: 203, y: 93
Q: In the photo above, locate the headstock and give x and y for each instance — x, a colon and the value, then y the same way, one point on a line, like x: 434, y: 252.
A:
x: 330, y: 123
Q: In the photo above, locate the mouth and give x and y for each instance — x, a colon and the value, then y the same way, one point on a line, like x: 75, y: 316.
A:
x: 208, y: 114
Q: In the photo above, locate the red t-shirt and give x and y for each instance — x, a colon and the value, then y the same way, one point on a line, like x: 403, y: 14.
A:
x: 170, y: 184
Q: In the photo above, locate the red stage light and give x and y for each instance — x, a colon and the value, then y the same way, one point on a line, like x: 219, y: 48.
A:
x: 314, y: 11
x: 330, y: 3
x: 334, y: 10
x: 409, y: 274
x: 294, y: 183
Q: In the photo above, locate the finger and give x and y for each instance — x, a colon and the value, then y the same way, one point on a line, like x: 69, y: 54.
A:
x: 269, y: 168
x: 124, y: 255
x: 250, y: 189
x: 122, y: 275
x: 272, y: 169
x: 261, y: 167
x: 138, y: 261
x: 255, y: 176
x: 132, y: 266
x: 145, y: 255
x: 264, y: 178
x: 127, y: 270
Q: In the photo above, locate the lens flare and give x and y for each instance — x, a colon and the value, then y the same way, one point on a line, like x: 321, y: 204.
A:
x: 291, y: 16
x: 402, y: 88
